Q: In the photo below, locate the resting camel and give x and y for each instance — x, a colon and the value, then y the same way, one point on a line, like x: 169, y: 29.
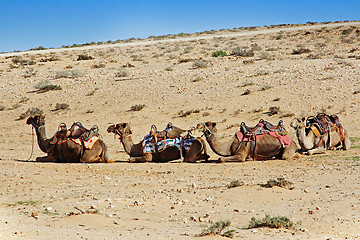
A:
x: 264, y: 148
x: 196, y: 152
x: 312, y: 144
x: 67, y: 152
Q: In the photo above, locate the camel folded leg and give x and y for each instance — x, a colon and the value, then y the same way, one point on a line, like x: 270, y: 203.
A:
x: 48, y: 158
x: 147, y: 157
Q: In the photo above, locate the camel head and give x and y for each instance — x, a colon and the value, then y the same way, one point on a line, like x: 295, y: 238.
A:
x: 298, y: 123
x: 120, y: 129
x: 37, y: 120
x: 208, y: 128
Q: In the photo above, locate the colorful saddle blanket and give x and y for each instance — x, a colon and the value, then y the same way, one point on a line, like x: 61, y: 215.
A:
x: 152, y: 147
x: 284, y: 139
x: 323, y: 123
x: 88, y: 144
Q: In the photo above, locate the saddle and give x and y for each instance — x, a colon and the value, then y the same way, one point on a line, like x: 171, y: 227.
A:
x: 77, y: 130
x: 262, y: 127
x: 324, y: 123
x: 170, y: 131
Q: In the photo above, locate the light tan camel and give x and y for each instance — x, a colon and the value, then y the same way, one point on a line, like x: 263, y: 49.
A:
x: 265, y: 148
x: 67, y: 152
x: 312, y: 144
x: 196, y: 152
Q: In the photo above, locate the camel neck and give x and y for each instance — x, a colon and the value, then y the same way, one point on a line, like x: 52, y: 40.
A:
x: 222, y: 149
x: 306, y: 141
x: 43, y: 142
x: 127, y: 143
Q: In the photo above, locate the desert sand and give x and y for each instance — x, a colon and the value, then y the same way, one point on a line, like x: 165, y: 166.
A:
x: 297, y: 71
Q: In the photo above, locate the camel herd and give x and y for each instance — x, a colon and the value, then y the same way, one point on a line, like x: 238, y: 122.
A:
x: 182, y: 145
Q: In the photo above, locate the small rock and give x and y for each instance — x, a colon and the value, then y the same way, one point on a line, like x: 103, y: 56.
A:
x: 318, y: 208
x: 192, y: 218
x: 306, y: 191
x: 48, y: 209
x: 92, y: 207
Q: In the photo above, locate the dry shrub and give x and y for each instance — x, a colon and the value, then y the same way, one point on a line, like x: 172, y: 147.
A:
x: 279, y: 182
x: 187, y: 113
x: 242, y: 52
x: 273, y: 110
x: 122, y: 73
x: 30, y: 112
x: 84, y: 57
x: 271, y: 222
x: 46, y: 85
x: 200, y: 64
x: 137, y: 107
x: 61, y: 106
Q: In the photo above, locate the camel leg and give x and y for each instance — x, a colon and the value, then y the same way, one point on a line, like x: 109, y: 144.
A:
x: 235, y: 158
x: 346, y: 143
x: 316, y: 151
x: 290, y: 151
x: 196, y: 152
x: 48, y: 158
x: 145, y: 158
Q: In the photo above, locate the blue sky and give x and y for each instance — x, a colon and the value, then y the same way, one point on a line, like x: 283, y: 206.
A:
x: 26, y: 24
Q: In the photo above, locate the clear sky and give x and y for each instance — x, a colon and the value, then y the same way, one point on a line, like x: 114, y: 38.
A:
x: 26, y: 24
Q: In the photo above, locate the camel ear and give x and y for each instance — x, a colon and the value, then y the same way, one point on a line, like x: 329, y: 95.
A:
x: 303, y: 119
x: 213, y: 124
x: 123, y: 125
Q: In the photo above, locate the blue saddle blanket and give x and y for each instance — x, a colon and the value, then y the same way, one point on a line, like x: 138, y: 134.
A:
x: 179, y: 143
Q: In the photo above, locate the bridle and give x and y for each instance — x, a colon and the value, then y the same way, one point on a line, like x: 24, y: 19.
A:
x: 207, y: 132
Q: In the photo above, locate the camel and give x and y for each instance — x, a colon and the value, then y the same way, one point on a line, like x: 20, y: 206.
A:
x: 313, y: 144
x: 67, y: 152
x: 265, y: 148
x: 196, y: 152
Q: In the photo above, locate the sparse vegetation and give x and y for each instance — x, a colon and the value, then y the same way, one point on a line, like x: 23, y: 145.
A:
x: 46, y: 85
x: 61, y: 106
x: 219, y: 53
x: 273, y: 110
x: 187, y: 113
x: 84, y: 57
x: 242, y: 52
x: 271, y: 222
x: 219, y: 228
x: 25, y: 203
x: 30, y: 112
x: 122, y: 73
x: 68, y: 74
x: 200, y: 64
x: 235, y: 183
x: 137, y: 107
x: 279, y: 182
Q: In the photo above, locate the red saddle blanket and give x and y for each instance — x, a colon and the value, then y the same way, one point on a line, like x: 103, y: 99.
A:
x: 87, y: 144
x: 286, y: 140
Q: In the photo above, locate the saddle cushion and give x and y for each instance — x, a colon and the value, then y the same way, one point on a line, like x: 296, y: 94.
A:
x: 179, y: 143
x: 284, y: 139
x: 87, y: 144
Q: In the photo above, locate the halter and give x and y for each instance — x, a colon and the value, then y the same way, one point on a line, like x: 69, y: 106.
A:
x: 207, y: 132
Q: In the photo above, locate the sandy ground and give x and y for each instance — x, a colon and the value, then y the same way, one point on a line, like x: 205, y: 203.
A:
x: 178, y: 200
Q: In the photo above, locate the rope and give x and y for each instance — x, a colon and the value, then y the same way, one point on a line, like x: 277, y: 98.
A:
x: 33, y: 140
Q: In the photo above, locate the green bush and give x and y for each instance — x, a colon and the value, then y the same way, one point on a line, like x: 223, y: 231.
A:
x: 271, y: 222
x: 217, y: 228
x: 219, y: 53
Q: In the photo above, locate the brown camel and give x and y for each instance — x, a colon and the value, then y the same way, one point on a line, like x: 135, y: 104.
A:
x: 312, y: 144
x: 67, y: 152
x: 266, y: 147
x: 196, y: 152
